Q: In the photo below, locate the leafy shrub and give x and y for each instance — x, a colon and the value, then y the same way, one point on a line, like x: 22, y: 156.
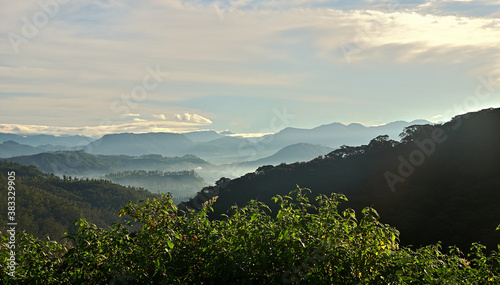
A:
x: 300, y: 243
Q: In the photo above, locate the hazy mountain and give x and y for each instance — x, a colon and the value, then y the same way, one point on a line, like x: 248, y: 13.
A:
x: 168, y: 144
x: 222, y: 149
x: 337, y: 134
x: 36, y: 140
x: 11, y: 137
x: 12, y: 148
x: 52, y: 148
x: 181, y: 184
x: 202, y: 136
x: 300, y: 152
x: 439, y: 184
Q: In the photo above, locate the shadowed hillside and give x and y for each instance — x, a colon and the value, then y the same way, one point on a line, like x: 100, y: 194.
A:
x: 48, y: 205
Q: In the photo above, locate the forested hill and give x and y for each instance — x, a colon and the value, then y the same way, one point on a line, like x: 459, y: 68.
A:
x: 439, y: 183
x: 47, y: 204
x: 80, y: 163
x: 181, y: 184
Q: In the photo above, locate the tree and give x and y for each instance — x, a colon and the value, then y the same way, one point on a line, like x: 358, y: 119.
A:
x: 414, y: 132
x: 381, y: 142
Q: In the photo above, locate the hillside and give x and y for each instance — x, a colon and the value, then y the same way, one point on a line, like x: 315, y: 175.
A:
x: 449, y: 193
x: 293, y: 153
x: 12, y: 148
x: 80, y: 163
x: 48, y: 205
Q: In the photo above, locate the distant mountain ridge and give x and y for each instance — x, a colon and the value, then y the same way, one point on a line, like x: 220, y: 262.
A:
x: 202, y: 136
x: 213, y: 145
x: 337, y: 134
x: 12, y: 148
x: 42, y: 139
x: 168, y: 144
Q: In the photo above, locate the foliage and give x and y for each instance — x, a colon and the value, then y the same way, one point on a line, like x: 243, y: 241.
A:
x: 47, y: 204
x: 415, y: 132
x: 301, y: 243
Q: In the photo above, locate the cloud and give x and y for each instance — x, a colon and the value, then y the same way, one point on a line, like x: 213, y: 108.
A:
x: 160, y: 116
x: 250, y: 79
x: 137, y: 126
x: 195, y: 118
x: 416, y: 34
x: 92, y: 53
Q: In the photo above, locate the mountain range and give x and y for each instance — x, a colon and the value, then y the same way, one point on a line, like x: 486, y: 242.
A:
x: 217, y: 148
x: 439, y: 183
x: 40, y: 140
x: 210, y: 145
x: 337, y: 134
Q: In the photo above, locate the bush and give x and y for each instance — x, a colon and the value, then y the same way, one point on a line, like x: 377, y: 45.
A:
x: 301, y: 243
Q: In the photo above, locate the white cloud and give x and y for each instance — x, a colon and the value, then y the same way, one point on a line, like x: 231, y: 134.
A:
x: 160, y: 116
x: 195, y: 118
x: 415, y: 33
x: 137, y: 126
x: 249, y: 135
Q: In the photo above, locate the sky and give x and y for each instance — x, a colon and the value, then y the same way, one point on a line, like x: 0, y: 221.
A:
x: 92, y: 67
